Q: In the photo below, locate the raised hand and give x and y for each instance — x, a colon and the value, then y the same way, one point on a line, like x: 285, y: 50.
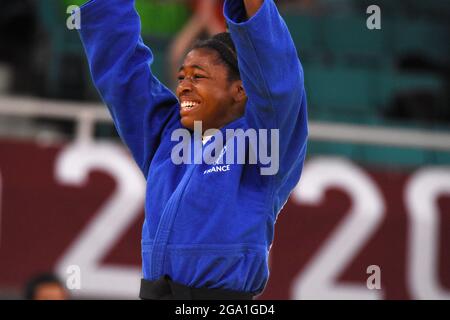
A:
x: 252, y: 6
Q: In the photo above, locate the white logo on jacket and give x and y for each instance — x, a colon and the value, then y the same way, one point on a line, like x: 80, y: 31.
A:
x: 218, y: 164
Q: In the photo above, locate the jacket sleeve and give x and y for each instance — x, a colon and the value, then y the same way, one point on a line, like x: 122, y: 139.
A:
x: 141, y: 107
x: 272, y: 76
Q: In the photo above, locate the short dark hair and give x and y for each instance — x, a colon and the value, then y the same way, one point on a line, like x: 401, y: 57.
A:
x: 223, y: 44
x: 37, y: 280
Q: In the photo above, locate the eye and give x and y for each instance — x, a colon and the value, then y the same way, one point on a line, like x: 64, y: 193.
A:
x: 180, y: 78
x: 198, y: 76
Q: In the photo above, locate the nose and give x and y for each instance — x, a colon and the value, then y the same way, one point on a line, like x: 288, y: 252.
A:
x: 184, y: 85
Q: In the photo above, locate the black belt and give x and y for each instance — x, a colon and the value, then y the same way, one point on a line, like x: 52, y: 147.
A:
x: 165, y: 289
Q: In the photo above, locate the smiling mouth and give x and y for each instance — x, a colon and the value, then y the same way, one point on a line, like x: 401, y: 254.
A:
x: 187, y: 106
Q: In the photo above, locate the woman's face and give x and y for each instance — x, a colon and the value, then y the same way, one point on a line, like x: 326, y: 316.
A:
x: 205, y: 93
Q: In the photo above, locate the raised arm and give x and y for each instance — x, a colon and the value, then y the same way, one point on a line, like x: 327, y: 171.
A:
x: 271, y: 74
x: 141, y: 107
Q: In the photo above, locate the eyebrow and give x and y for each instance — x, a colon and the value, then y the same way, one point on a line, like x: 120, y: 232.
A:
x: 196, y: 66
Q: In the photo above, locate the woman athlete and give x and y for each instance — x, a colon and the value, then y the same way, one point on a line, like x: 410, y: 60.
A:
x: 207, y: 233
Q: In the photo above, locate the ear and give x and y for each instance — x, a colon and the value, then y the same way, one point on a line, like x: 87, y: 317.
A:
x: 239, y: 94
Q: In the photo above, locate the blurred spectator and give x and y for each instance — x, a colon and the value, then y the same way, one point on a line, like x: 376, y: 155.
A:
x: 207, y: 20
x: 45, y: 286
x: 17, y: 23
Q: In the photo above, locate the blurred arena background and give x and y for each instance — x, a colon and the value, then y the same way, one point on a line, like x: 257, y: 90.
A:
x: 374, y: 198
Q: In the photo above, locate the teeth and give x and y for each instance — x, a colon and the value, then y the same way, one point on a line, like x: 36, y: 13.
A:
x: 188, y: 104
